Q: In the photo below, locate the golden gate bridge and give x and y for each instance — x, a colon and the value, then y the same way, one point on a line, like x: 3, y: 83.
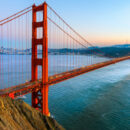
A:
x: 39, y: 49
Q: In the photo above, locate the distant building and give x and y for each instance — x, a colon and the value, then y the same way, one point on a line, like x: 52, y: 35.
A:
x: 1, y: 49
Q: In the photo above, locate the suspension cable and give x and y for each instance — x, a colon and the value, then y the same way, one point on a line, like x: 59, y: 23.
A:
x: 15, y: 14
x: 74, y: 30
x: 15, y: 17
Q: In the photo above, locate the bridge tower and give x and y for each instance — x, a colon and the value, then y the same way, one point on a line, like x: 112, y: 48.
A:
x: 40, y: 97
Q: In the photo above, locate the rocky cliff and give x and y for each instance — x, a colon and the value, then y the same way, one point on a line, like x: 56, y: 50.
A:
x: 17, y: 115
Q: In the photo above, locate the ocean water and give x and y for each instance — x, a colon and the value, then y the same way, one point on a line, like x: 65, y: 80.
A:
x: 98, y: 100
x: 16, y: 69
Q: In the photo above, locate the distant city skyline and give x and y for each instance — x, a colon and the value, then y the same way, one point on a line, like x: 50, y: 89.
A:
x: 99, y: 21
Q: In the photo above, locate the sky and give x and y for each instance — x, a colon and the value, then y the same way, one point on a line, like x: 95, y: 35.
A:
x: 98, y: 21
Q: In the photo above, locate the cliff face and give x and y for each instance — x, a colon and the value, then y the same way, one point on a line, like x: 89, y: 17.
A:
x: 17, y: 115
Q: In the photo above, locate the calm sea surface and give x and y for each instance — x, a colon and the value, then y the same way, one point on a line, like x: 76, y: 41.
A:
x: 98, y: 100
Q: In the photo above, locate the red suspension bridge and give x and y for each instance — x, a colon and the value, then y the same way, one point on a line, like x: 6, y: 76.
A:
x: 38, y: 49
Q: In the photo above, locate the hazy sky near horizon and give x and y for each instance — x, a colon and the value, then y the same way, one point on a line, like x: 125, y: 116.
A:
x: 99, y: 21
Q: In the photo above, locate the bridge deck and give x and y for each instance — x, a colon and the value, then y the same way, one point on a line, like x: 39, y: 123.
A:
x: 28, y: 87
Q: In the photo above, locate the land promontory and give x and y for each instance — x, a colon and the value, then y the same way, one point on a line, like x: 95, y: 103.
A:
x: 17, y: 115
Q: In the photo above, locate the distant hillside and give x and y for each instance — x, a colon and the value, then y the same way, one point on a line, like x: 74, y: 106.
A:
x: 17, y: 115
x: 116, y: 51
x: 122, y: 46
x: 107, y: 51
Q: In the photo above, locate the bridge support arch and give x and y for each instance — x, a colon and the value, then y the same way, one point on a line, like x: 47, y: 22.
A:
x: 40, y: 97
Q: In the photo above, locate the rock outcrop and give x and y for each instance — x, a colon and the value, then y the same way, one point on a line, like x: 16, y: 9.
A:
x: 17, y: 115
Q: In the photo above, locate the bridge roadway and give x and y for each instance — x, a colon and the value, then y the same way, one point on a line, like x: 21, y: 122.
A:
x: 28, y: 87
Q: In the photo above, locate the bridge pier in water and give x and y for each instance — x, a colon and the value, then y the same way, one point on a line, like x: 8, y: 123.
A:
x: 40, y: 97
